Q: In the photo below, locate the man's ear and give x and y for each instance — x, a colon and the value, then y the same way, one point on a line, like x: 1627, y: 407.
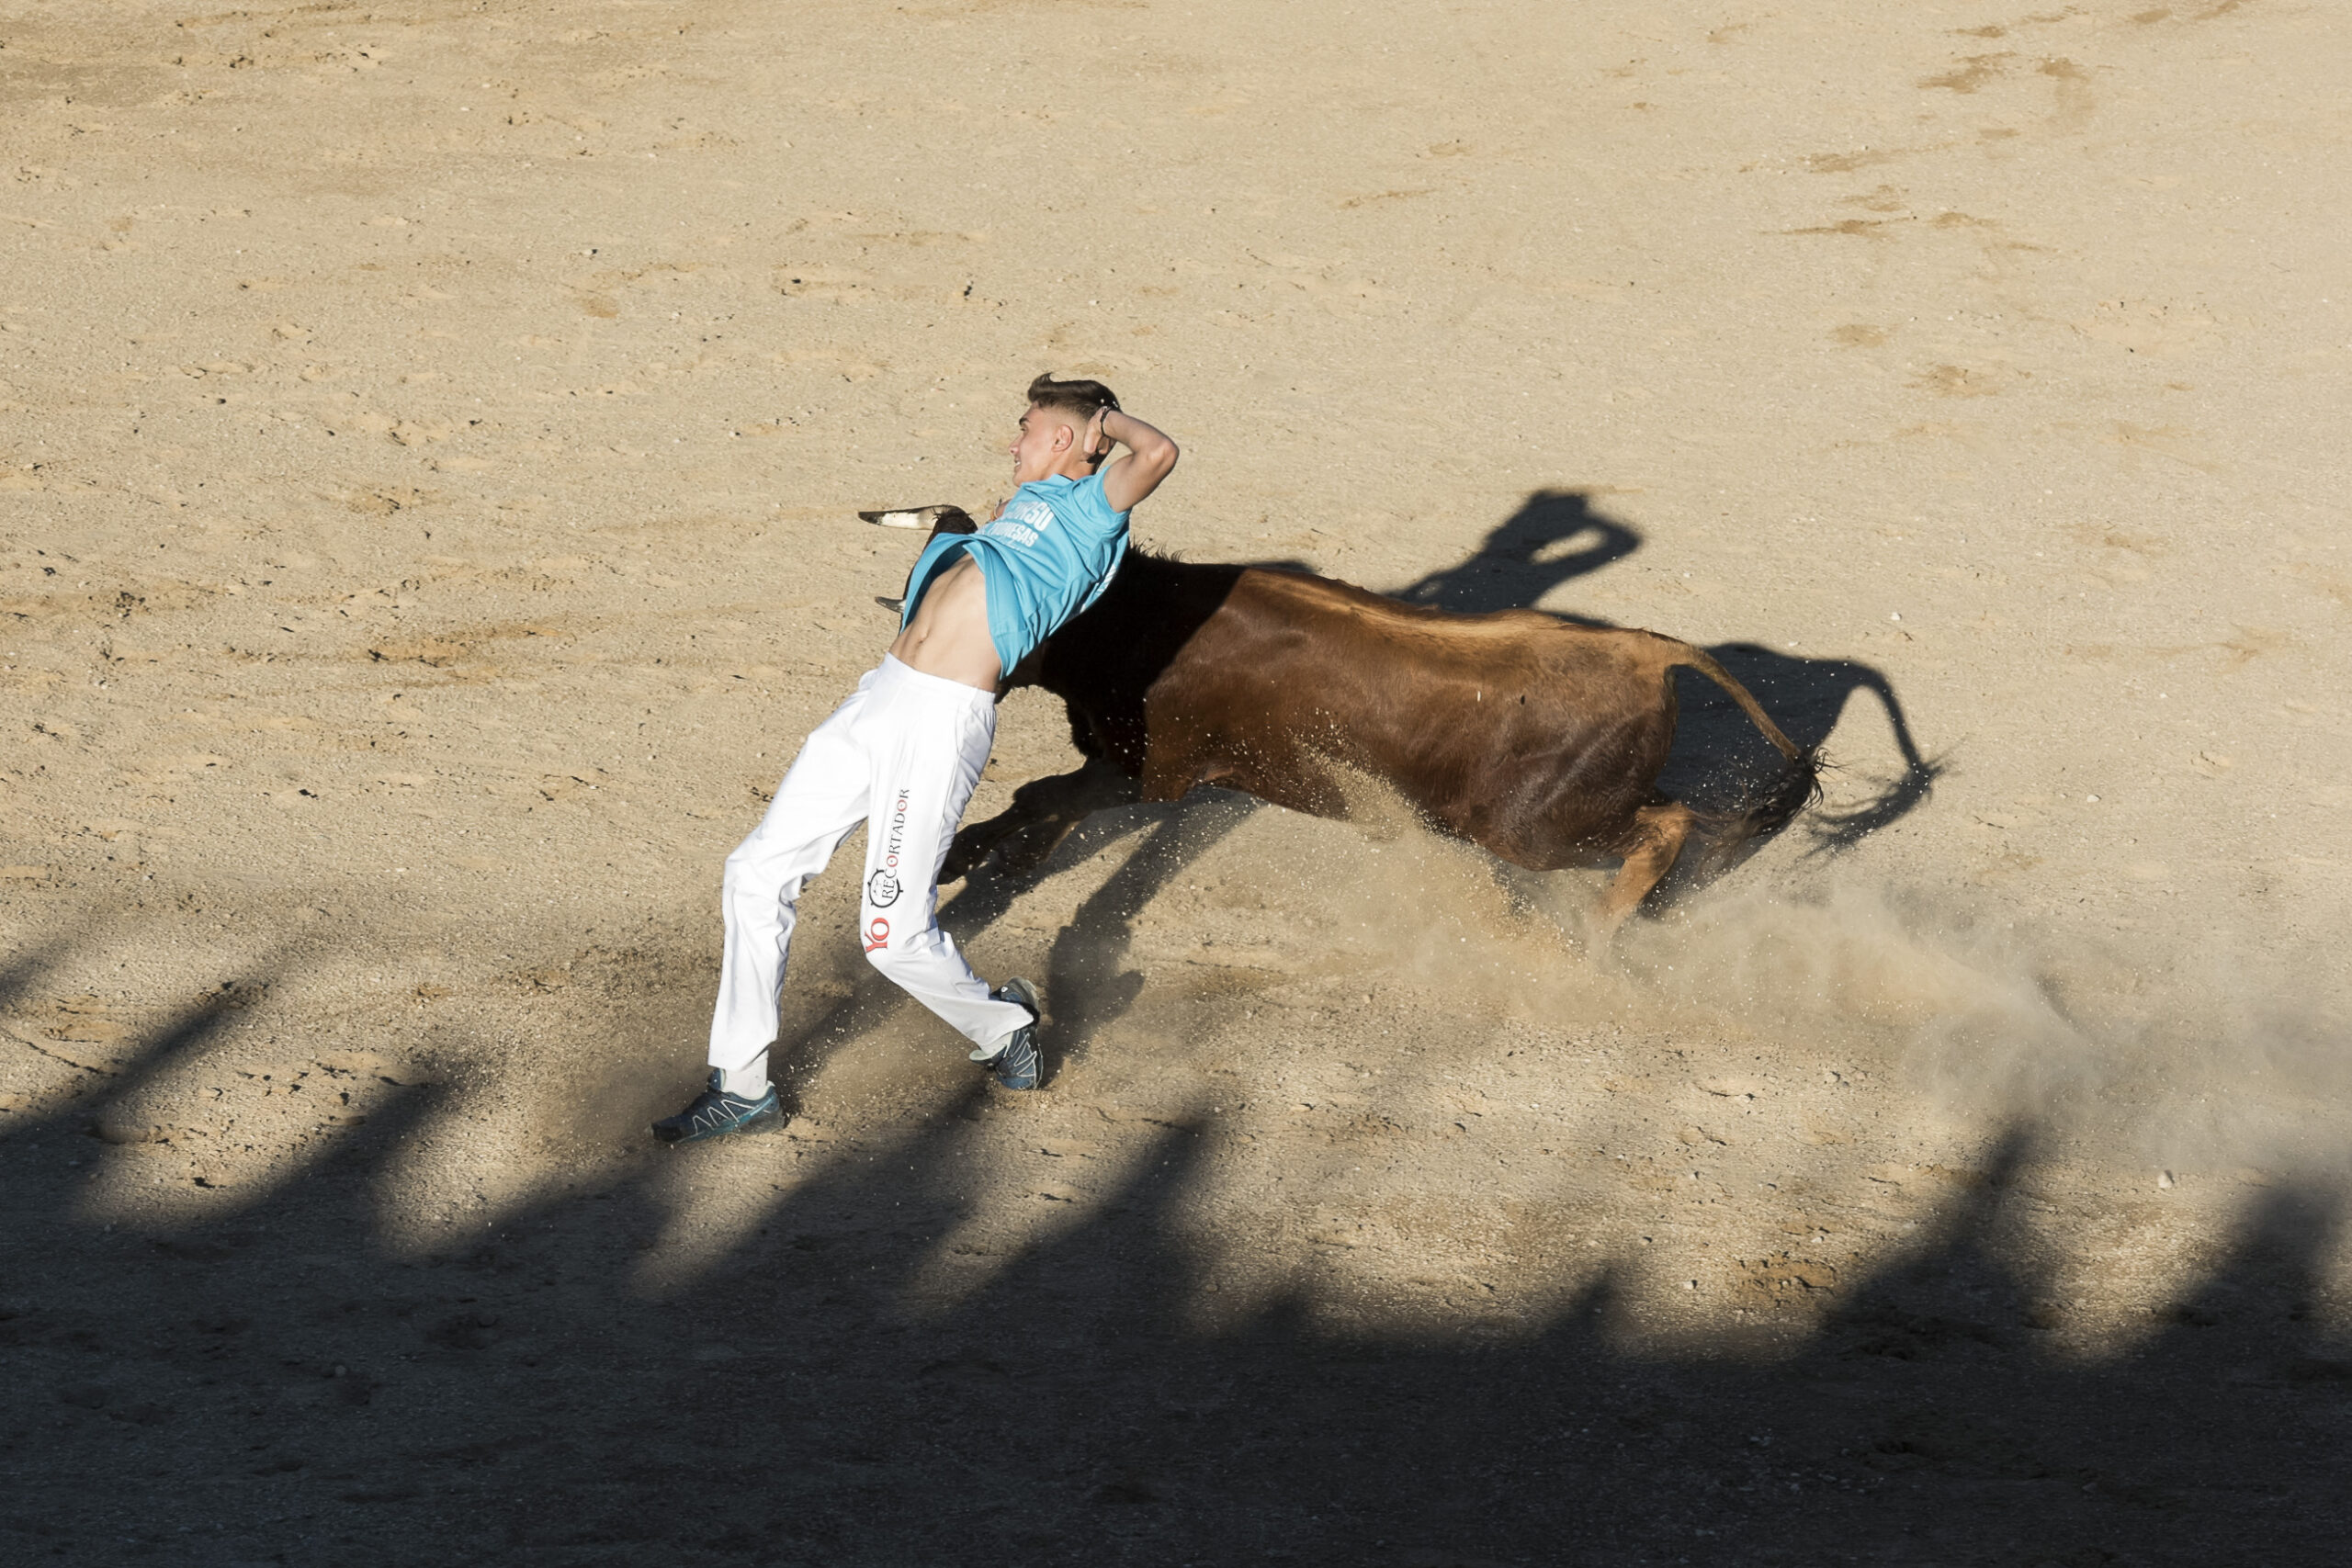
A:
x: 1064, y: 438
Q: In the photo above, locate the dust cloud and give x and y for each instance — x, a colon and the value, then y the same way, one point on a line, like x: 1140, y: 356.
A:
x: 2208, y: 1055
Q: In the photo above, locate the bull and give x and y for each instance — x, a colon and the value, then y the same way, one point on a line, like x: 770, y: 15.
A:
x: 1538, y: 739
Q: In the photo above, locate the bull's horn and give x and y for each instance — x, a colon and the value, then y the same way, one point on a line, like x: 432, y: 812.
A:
x: 907, y: 516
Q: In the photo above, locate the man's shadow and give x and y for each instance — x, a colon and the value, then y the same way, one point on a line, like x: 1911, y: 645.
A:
x: 1555, y: 537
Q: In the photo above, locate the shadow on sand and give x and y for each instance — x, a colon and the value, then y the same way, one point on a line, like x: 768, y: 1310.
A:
x: 277, y: 1386
x: 1554, y: 538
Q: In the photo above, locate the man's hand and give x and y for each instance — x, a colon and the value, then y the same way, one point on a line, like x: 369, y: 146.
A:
x: 1150, y: 456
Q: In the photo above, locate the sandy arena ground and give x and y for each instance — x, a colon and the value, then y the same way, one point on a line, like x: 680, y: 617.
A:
x: 430, y: 436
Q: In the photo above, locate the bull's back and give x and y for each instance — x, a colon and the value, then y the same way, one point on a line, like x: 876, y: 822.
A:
x: 1534, y: 736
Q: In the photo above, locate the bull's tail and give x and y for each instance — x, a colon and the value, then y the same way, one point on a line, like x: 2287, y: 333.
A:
x: 1776, y: 803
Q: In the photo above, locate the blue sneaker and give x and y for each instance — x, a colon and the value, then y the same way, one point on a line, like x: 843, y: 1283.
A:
x: 1017, y: 1064
x: 715, y: 1113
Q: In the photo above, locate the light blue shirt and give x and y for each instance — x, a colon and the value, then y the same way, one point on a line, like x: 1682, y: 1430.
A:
x: 1047, y: 558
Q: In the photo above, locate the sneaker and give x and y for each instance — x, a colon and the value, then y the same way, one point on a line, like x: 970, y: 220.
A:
x: 1017, y: 1063
x: 715, y: 1113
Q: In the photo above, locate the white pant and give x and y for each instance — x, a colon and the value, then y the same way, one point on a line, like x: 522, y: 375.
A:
x: 902, y: 755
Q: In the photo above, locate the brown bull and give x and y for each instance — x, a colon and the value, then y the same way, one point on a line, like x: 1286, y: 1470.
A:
x: 1537, y: 740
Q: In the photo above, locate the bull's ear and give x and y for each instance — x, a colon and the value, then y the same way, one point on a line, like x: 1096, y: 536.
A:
x: 908, y: 516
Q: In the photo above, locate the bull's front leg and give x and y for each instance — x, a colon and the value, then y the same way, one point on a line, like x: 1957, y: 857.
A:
x: 1042, y: 814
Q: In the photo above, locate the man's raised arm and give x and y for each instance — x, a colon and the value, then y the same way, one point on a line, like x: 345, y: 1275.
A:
x: 1149, y: 457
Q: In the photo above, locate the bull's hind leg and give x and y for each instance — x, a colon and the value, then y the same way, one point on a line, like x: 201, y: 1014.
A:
x: 1651, y: 846
x: 1042, y: 814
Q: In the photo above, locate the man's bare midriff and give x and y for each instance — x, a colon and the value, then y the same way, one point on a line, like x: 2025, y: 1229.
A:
x: 949, y: 635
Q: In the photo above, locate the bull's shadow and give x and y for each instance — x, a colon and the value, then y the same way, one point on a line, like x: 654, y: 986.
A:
x: 1086, y: 974
x: 1715, y: 748
x: 1557, y: 536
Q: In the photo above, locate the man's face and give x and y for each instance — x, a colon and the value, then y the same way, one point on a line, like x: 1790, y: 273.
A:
x: 1046, y: 435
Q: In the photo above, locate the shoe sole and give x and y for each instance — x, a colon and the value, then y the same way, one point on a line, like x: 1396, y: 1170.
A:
x: 766, y: 1121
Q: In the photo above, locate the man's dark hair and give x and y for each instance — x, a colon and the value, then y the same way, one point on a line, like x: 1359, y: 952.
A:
x: 1079, y: 397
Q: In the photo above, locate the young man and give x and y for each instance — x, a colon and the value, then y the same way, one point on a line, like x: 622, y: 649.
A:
x: 903, y: 753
